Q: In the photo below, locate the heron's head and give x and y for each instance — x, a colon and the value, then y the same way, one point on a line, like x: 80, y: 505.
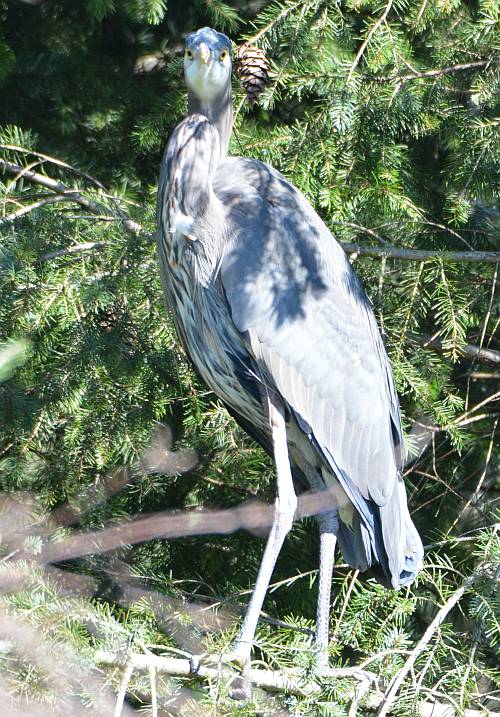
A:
x: 207, y: 64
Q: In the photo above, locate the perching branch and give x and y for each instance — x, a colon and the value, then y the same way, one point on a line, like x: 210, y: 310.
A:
x: 70, y: 194
x: 288, y: 681
x: 492, y: 257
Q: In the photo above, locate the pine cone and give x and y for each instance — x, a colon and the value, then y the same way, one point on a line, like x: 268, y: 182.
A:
x: 252, y: 67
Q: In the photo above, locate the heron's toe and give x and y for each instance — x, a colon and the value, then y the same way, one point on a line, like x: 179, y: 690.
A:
x: 239, y: 655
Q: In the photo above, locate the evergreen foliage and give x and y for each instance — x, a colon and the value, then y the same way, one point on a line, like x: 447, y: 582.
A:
x: 386, y: 115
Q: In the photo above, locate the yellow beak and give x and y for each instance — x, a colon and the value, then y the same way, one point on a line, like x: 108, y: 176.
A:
x: 204, y: 54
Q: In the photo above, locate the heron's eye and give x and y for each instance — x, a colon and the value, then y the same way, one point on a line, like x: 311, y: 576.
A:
x: 223, y: 55
x: 189, y: 54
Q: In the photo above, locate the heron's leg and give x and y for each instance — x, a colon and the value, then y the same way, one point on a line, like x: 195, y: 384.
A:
x: 285, y: 506
x: 328, y: 528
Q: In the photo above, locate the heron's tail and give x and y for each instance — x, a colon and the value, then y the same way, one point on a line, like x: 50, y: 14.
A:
x: 400, y: 541
x: 380, y: 534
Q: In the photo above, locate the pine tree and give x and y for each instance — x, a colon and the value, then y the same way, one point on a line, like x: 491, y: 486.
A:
x: 386, y: 116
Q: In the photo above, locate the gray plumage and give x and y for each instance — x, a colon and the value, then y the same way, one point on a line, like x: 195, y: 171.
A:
x: 266, y: 303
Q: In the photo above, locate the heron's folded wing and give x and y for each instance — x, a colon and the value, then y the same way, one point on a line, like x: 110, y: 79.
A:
x: 310, y: 326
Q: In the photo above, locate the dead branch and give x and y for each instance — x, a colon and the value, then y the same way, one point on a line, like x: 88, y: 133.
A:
x: 393, y: 252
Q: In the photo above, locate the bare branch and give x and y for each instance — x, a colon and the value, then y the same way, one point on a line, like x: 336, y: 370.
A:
x: 394, y: 252
x: 53, y: 160
x: 71, y: 194
x: 275, y: 681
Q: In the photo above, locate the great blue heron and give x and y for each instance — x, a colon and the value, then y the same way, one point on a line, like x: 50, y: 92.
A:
x: 279, y: 327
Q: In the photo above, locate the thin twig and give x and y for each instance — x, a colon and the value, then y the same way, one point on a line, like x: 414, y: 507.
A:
x: 477, y: 490
x: 442, y: 613
x: 432, y: 73
x: 367, y: 39
x: 361, y: 228
x: 420, y: 254
x: 76, y: 249
x: 31, y: 207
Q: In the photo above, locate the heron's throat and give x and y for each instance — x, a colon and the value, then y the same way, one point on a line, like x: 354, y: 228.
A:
x: 220, y: 113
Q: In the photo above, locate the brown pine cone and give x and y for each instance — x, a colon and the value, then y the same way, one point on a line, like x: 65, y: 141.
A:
x: 252, y: 67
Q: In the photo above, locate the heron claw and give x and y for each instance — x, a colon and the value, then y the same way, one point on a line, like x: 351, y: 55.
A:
x: 194, y: 664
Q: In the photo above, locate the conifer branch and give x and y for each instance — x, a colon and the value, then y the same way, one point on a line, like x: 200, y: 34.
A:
x: 469, y: 351
x: 26, y: 209
x: 431, y: 73
x: 388, y: 251
x: 263, y: 31
x: 364, y: 45
x: 390, y: 695
x: 70, y: 194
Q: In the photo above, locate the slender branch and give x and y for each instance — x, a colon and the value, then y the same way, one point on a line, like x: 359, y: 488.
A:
x: 368, y: 38
x: 122, y: 692
x: 31, y: 207
x: 286, y: 11
x: 432, y: 73
x: 361, y: 228
x: 421, y: 254
x: 72, y: 194
x: 76, y: 249
x: 469, y: 351
x: 53, y: 160
x: 442, y: 613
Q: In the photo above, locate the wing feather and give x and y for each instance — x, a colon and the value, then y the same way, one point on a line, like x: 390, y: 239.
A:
x: 311, y: 329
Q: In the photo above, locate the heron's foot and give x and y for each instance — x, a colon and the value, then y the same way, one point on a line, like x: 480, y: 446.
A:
x: 321, y: 662
x: 239, y: 655
x: 195, y: 662
x: 241, y: 686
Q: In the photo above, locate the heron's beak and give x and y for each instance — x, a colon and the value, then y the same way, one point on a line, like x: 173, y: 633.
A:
x: 205, y: 54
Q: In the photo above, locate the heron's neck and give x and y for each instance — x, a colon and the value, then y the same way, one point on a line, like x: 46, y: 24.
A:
x: 220, y: 113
